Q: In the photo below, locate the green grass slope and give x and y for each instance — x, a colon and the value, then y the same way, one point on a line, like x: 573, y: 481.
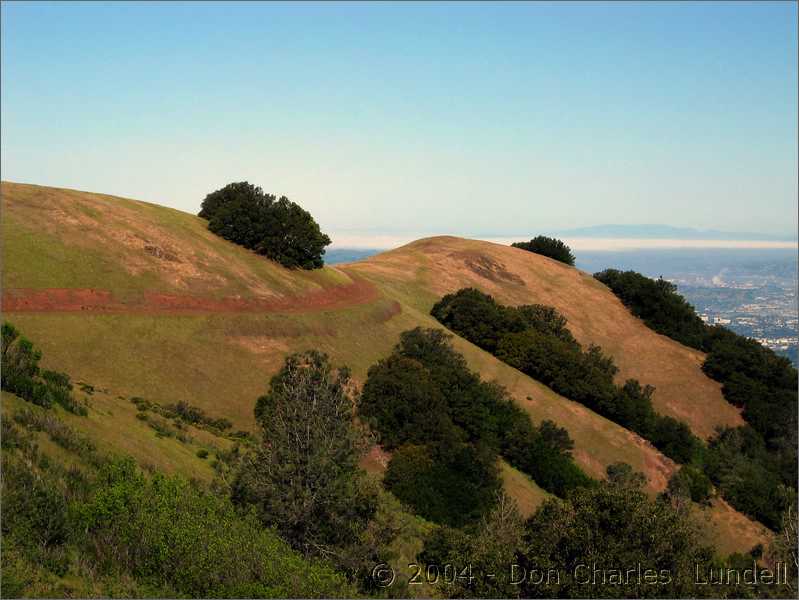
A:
x: 141, y: 300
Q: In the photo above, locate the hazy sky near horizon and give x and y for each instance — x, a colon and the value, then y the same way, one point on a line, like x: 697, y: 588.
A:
x: 493, y: 119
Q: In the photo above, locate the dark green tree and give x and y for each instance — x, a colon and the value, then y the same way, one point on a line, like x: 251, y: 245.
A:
x: 425, y: 394
x: 535, y: 340
x: 690, y: 482
x: 304, y: 479
x: 292, y: 237
x: 276, y: 228
x: 612, y: 526
x: 556, y: 437
x: 657, y: 302
x: 475, y: 562
x: 448, y: 484
x: 547, y: 246
x: 754, y: 379
x: 241, y: 193
x: 740, y: 465
x: 404, y: 405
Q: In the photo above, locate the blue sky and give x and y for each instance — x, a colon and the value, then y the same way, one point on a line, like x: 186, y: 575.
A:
x: 490, y: 119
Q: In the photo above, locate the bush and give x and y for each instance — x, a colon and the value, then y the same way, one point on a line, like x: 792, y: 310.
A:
x: 202, y: 453
x: 104, y: 528
x: 166, y: 529
x: 34, y: 509
x: 613, y: 526
x: 658, y: 304
x: 424, y: 394
x: 23, y: 377
x: 58, y: 431
x: 754, y: 379
x: 195, y: 416
x: 276, y: 228
x: 451, y: 485
x: 547, y: 246
x: 534, y: 339
x: 691, y: 482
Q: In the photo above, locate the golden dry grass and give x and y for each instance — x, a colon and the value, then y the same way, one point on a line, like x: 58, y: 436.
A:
x: 83, y: 240
x: 595, y: 316
x: 222, y: 362
x: 524, y: 491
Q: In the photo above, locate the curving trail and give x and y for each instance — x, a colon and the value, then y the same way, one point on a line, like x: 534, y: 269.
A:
x: 50, y: 300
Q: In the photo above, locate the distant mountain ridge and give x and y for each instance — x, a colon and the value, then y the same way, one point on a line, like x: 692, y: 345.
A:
x: 665, y: 232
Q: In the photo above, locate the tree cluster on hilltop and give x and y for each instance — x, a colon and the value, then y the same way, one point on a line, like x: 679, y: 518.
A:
x: 274, y: 227
x: 547, y: 246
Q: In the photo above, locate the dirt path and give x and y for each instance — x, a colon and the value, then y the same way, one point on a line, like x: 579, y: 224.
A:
x: 102, y: 301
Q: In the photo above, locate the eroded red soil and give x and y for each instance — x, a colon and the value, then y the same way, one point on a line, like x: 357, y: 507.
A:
x: 82, y: 299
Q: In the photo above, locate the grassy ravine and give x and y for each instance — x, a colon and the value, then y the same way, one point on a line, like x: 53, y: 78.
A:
x: 221, y: 362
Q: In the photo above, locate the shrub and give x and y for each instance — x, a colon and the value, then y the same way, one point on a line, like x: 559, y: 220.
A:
x: 115, y: 532
x: 23, y: 377
x: 690, y: 482
x: 534, y: 339
x: 34, y: 509
x: 451, y: 485
x: 58, y: 431
x: 547, y: 246
x: 168, y: 530
x: 658, y: 304
x: 276, y: 228
x: 754, y: 379
x: 202, y: 453
x: 424, y: 394
x: 608, y: 526
x: 196, y: 416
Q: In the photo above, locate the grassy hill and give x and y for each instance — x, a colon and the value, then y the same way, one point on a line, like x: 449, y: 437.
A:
x: 137, y: 300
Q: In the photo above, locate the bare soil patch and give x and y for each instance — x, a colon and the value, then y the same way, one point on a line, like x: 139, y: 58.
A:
x: 487, y: 268
x: 76, y: 300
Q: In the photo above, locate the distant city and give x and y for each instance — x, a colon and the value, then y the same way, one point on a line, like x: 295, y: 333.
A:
x: 751, y: 291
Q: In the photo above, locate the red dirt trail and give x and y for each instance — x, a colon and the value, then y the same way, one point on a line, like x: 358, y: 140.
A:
x: 94, y: 300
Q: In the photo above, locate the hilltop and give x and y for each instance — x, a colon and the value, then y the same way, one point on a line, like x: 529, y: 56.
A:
x: 137, y: 300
